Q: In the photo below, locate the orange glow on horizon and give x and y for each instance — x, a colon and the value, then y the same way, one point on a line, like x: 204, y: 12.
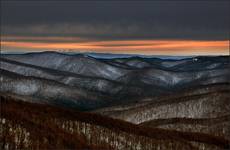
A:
x: 148, y: 47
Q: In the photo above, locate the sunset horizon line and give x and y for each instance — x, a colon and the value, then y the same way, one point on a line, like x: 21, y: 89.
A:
x: 144, y: 47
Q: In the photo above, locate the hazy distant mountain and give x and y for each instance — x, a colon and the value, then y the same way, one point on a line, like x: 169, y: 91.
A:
x: 105, y: 55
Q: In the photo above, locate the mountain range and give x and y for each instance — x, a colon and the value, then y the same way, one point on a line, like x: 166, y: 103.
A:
x: 186, y: 96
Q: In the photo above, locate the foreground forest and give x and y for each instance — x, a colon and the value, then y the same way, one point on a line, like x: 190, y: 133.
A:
x: 35, y: 126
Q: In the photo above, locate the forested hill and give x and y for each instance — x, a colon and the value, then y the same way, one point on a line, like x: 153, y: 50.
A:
x: 37, y: 126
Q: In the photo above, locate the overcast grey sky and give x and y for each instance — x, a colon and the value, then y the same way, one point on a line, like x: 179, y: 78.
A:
x: 116, y: 20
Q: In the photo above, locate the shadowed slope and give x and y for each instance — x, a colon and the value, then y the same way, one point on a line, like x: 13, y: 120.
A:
x: 216, y: 126
x: 201, y: 103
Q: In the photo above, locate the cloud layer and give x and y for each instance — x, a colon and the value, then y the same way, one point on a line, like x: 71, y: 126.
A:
x: 75, y: 23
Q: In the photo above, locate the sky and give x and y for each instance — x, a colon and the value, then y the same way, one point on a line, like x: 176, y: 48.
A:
x: 166, y: 27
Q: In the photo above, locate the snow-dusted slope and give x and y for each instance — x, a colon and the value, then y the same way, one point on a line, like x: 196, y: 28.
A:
x: 187, y: 64
x: 165, y: 78
x: 50, y: 92
x: 80, y: 64
x: 72, y: 79
x: 154, y: 76
x: 125, y: 80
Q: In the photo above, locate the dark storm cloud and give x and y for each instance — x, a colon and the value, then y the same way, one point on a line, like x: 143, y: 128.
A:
x: 197, y: 20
